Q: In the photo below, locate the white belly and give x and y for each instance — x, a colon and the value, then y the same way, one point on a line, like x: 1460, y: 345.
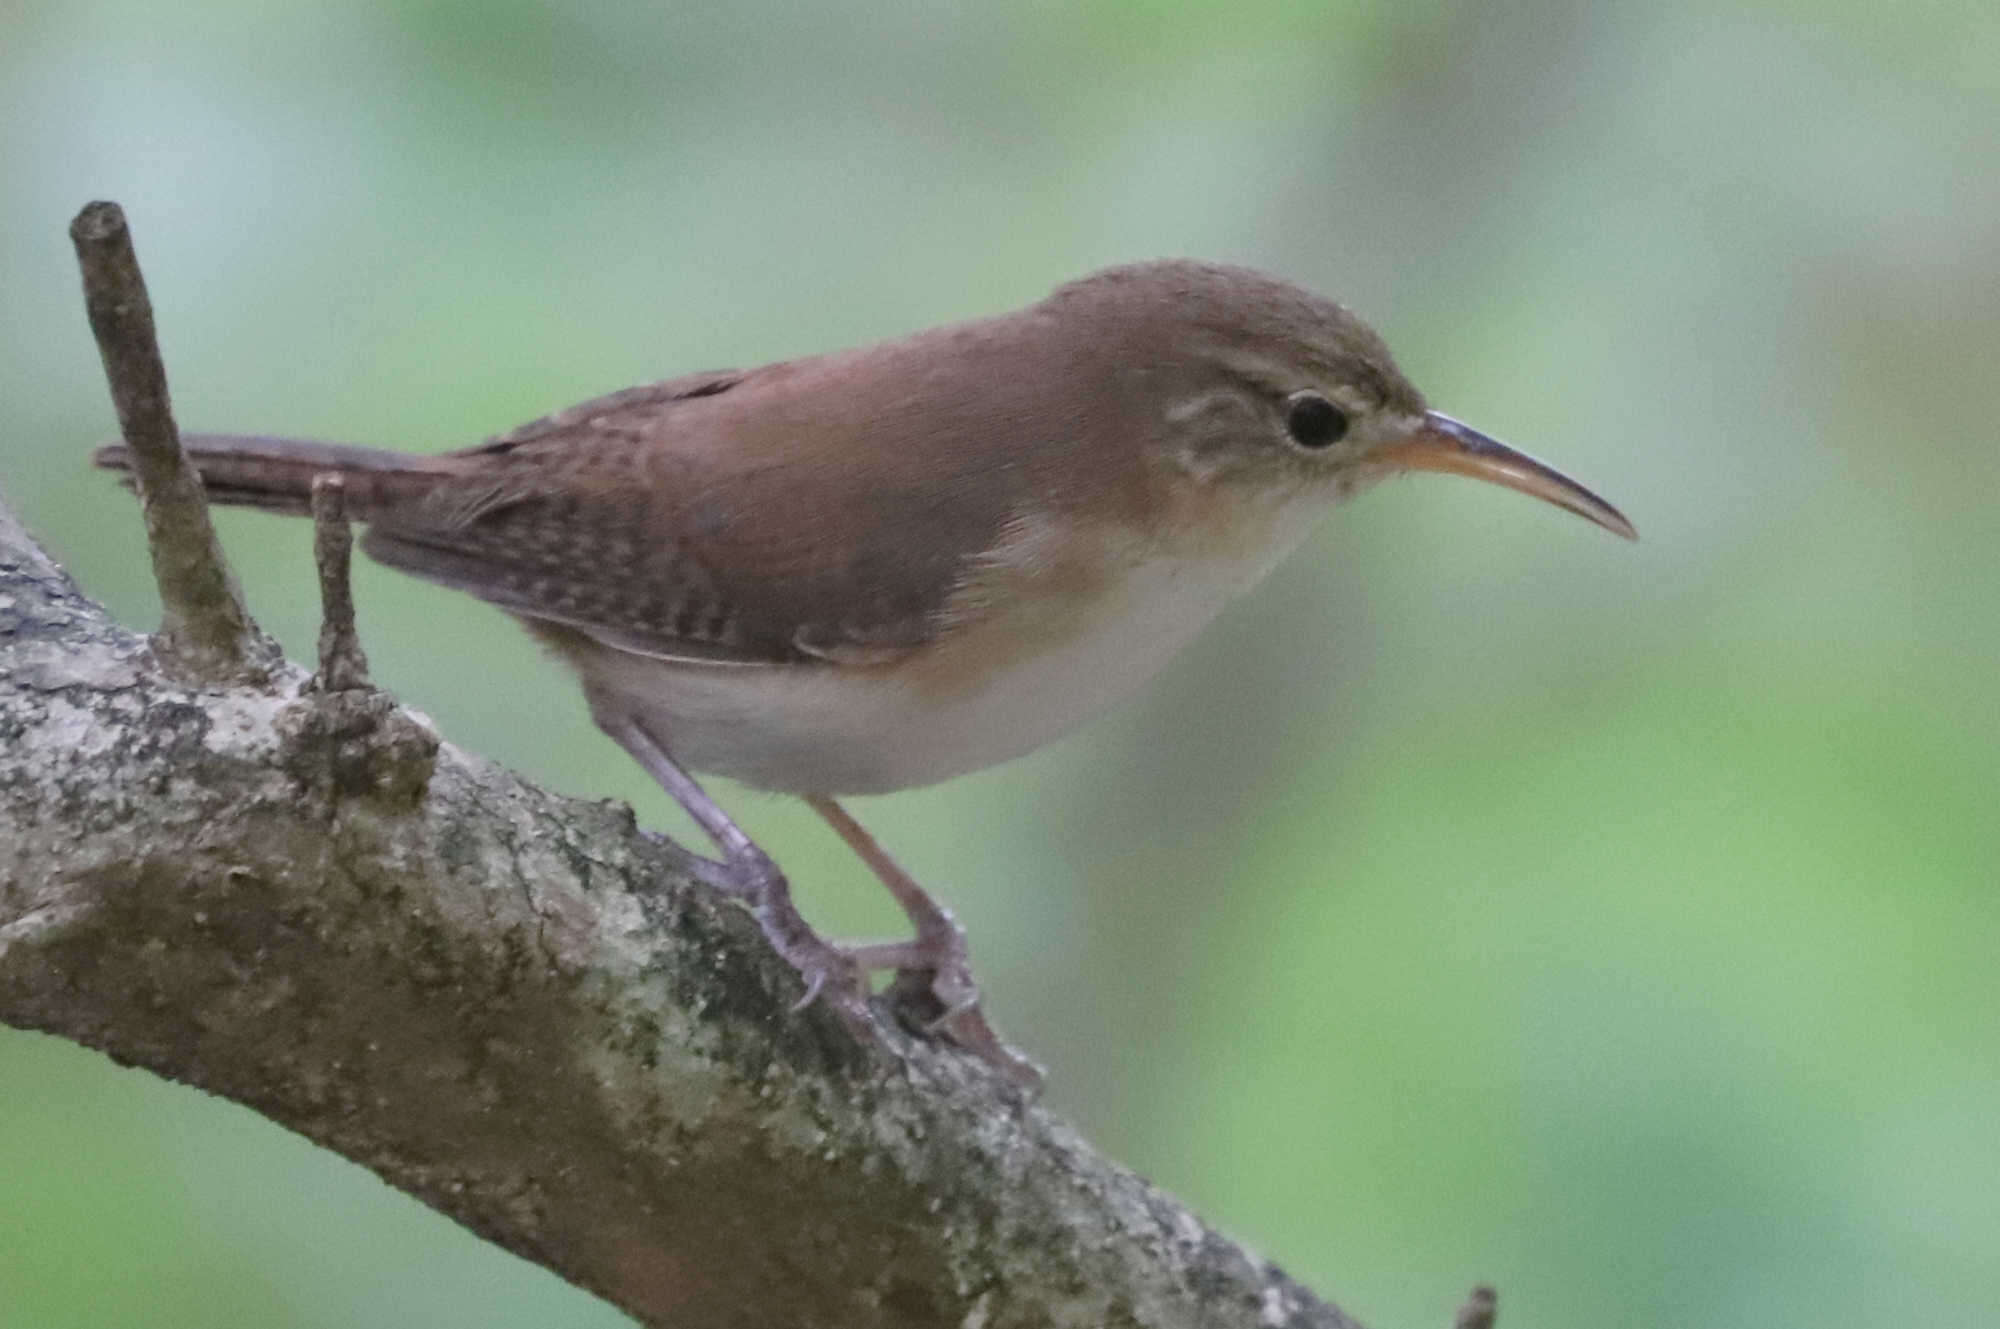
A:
x: 832, y: 729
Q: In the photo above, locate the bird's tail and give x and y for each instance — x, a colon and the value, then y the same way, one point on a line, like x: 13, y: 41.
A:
x: 276, y: 474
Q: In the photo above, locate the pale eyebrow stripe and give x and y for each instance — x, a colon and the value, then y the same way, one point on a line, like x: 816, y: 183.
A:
x: 1187, y: 408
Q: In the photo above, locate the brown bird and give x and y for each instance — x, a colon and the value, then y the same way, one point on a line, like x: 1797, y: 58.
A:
x: 884, y: 567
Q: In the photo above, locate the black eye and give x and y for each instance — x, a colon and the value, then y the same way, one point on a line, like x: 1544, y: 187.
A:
x: 1313, y: 421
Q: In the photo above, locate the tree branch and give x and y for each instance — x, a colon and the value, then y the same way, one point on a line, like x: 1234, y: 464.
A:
x: 520, y: 1009
x: 516, y: 1008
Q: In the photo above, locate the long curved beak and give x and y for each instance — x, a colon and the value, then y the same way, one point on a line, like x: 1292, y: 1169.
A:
x: 1444, y: 444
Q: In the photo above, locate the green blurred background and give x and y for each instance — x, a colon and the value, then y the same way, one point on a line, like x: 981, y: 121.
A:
x: 1484, y: 898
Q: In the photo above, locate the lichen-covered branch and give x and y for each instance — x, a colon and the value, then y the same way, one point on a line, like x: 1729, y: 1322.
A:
x: 516, y: 1008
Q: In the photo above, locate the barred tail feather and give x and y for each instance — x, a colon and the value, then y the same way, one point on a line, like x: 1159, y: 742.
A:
x: 276, y: 474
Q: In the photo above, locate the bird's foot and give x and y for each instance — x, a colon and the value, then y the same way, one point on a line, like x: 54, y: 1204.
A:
x: 935, y: 993
x: 830, y: 971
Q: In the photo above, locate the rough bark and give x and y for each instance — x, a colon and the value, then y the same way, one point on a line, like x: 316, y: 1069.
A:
x: 517, y: 1008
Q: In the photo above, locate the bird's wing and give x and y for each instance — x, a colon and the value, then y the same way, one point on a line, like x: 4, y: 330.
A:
x: 657, y: 521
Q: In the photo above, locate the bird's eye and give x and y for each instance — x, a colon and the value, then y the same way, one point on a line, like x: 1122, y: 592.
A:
x: 1313, y: 421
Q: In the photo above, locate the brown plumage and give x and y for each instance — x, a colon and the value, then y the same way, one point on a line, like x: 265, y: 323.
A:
x: 694, y: 518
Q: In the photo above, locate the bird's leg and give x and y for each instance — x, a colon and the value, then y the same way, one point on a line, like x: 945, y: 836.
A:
x: 747, y: 872
x: 937, y: 952
x: 934, y: 961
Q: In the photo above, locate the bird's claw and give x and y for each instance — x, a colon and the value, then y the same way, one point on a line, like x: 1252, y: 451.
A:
x: 815, y: 984
x: 829, y: 973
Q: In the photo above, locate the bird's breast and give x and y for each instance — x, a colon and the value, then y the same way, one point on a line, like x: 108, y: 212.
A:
x: 1034, y: 645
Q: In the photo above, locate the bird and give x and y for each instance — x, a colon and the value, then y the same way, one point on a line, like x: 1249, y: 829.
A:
x: 879, y: 568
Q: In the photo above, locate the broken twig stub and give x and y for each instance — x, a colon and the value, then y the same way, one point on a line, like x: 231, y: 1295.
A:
x: 207, y: 634
x: 342, y: 665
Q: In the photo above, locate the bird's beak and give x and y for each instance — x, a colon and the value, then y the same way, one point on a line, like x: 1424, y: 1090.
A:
x: 1441, y: 443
